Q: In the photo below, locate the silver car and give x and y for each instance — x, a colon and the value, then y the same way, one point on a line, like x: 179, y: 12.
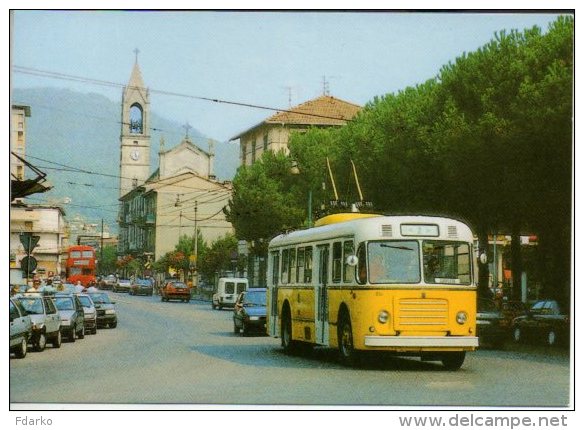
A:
x: 20, y: 329
x: 72, y: 316
x: 123, y: 285
x: 90, y: 313
x: 46, y: 322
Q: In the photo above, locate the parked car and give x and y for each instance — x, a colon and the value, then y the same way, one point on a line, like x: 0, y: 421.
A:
x: 46, y: 322
x: 175, y: 290
x: 89, y: 313
x: 490, y: 327
x: 108, y: 282
x: 511, y: 310
x: 123, y: 285
x: 20, y: 329
x: 19, y: 289
x: 141, y: 287
x: 72, y: 316
x: 67, y: 288
x: 249, y: 312
x: 106, y: 310
x: 227, y: 291
x: 545, y: 320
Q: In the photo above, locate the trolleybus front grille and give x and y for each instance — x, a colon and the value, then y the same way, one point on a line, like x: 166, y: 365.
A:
x: 426, y: 313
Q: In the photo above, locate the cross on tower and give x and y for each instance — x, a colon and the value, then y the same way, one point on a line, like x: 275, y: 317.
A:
x: 187, y: 127
x: 136, y: 52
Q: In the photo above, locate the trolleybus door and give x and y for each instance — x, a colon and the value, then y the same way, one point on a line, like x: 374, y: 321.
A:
x: 320, y: 296
x: 273, y: 294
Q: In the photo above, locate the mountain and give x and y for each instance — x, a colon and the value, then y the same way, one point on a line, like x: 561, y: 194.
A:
x: 69, y: 129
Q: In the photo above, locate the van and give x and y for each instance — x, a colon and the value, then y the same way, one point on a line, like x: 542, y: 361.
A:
x: 227, y: 291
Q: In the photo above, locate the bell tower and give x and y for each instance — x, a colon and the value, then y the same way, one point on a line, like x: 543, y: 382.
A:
x: 135, y: 132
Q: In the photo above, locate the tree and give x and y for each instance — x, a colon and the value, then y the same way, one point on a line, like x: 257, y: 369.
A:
x: 108, y: 258
x: 221, y: 256
x: 488, y: 141
x: 265, y: 201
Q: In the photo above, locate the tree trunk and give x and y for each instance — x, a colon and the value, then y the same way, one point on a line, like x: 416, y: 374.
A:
x: 516, y: 261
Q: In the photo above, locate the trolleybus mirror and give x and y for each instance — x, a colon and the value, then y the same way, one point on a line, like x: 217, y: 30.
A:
x: 352, y: 260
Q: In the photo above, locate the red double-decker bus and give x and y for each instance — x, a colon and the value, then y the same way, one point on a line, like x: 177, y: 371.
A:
x: 80, y: 265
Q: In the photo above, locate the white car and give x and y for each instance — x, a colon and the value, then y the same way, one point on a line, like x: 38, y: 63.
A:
x: 227, y: 291
x: 20, y: 329
x: 122, y: 285
x: 46, y: 321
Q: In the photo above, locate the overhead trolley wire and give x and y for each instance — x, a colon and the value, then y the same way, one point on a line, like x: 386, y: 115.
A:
x: 65, y: 76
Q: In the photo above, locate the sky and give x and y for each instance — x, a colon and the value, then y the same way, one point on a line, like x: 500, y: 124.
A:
x: 272, y: 59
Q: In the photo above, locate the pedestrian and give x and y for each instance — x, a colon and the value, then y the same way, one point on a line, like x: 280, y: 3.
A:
x: 79, y: 288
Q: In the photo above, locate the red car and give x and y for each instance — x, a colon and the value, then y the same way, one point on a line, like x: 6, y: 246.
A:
x: 175, y: 290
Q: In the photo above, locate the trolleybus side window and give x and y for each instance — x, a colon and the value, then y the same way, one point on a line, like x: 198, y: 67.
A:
x: 275, y: 267
x: 323, y: 256
x: 284, y: 276
x: 300, y: 265
x: 292, y: 266
x: 362, y: 264
x: 349, y: 271
x: 308, y: 265
x: 337, y: 260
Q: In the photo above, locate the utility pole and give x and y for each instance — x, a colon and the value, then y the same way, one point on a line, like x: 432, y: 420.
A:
x: 196, y: 243
x: 101, y: 250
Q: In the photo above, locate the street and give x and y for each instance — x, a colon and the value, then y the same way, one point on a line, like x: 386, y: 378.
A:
x: 187, y: 353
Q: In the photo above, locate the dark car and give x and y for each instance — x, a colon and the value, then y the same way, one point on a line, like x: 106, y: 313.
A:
x: 249, y: 312
x: 72, y: 316
x: 20, y: 329
x: 46, y: 322
x: 106, y: 310
x: 545, y: 321
x: 490, y: 327
x: 141, y: 287
x: 175, y: 290
x: 511, y: 310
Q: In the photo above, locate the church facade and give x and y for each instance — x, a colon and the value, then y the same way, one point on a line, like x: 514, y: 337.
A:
x: 180, y: 197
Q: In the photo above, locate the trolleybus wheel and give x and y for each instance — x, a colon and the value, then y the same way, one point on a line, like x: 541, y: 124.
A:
x: 286, y: 332
x: 347, y: 354
x: 453, y: 360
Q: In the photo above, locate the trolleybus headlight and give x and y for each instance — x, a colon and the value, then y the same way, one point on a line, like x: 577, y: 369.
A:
x: 461, y: 317
x: 383, y: 317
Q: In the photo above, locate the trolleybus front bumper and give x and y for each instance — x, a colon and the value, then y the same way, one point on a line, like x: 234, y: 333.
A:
x: 417, y: 342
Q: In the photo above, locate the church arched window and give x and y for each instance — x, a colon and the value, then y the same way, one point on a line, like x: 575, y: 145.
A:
x: 136, y: 119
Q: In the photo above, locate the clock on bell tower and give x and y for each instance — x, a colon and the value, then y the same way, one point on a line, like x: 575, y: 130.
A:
x: 135, y: 132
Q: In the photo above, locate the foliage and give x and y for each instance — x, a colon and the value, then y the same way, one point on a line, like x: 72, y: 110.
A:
x: 221, y: 256
x: 107, y: 259
x: 180, y: 258
x: 265, y: 201
x: 489, y: 140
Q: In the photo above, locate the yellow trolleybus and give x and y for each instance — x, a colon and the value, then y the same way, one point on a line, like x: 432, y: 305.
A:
x: 363, y: 282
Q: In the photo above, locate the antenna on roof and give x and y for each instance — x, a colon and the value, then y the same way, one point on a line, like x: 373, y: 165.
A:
x: 289, y: 88
x: 325, y: 86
